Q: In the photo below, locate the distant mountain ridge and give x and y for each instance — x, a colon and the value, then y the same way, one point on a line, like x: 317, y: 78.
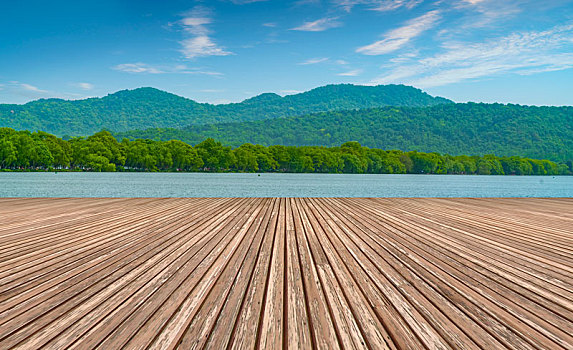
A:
x: 461, y: 128
x: 147, y: 107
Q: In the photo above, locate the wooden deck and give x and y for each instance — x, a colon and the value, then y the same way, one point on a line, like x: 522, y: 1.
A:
x: 277, y: 273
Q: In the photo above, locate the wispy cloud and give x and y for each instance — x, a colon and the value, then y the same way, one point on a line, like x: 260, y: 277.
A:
x: 84, y: 86
x: 162, y: 69
x: 203, y: 72
x: 306, y: 2
x: 319, y: 25
x: 396, y: 4
x: 378, y: 5
x: 352, y: 73
x: 243, y: 2
x: 32, y: 88
x: 313, y: 61
x: 397, y: 38
x: 201, y: 46
x: 137, y: 68
x: 519, y: 53
x: 404, y: 57
x: 195, y: 23
x: 484, y: 13
x: 270, y: 25
x: 32, y: 92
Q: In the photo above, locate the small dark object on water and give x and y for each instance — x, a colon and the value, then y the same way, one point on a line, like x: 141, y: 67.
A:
x: 259, y: 175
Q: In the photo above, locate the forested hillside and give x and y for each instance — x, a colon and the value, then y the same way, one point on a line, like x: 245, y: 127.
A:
x: 39, y: 151
x: 503, y: 130
x: 151, y: 108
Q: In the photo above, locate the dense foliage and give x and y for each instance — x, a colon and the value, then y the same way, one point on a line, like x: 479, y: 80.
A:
x: 504, y: 130
x: 23, y: 150
x: 151, y: 108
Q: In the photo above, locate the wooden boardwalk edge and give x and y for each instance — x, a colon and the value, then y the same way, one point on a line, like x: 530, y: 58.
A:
x: 298, y: 273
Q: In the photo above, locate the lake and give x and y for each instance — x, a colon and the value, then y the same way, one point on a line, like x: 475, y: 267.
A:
x: 278, y: 185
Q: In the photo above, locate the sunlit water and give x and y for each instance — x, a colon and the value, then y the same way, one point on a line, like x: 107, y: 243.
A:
x: 278, y: 185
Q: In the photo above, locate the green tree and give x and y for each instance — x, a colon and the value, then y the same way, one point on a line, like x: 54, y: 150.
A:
x: 214, y: 155
x: 98, y: 163
x: 59, y: 149
x: 184, y: 157
x: 424, y: 163
x: 8, y: 154
x: 246, y: 158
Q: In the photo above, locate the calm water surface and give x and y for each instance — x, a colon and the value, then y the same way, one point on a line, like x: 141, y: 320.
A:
x: 278, y: 185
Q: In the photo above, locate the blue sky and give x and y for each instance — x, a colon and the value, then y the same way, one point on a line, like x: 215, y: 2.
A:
x: 509, y: 51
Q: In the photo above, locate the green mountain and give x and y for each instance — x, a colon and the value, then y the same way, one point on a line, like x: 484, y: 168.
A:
x: 151, y: 108
x: 503, y: 130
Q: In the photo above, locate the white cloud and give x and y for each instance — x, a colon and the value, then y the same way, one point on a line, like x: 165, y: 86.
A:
x: 550, y: 64
x: 164, y: 69
x: 306, y: 2
x: 28, y: 91
x: 195, y: 25
x: 378, y: 5
x: 397, y: 38
x: 319, y: 25
x: 137, y: 68
x: 341, y: 62
x: 521, y: 53
x: 396, y: 4
x: 314, y: 61
x: 31, y: 92
x: 484, y: 13
x: 404, y: 57
x: 270, y: 25
x: 398, y: 74
x: 203, y: 72
x: 243, y: 2
x: 32, y: 88
x: 194, y: 22
x: 201, y: 46
x: 183, y: 69
x: 352, y: 73
x: 84, y: 86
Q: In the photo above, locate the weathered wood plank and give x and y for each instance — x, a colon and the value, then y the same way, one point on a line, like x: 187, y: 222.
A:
x: 308, y: 273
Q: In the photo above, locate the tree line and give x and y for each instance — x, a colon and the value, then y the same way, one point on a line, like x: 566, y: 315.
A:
x: 40, y: 151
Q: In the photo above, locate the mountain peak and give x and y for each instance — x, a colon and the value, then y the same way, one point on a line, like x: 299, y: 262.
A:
x: 148, y: 107
x: 264, y: 97
x: 142, y: 92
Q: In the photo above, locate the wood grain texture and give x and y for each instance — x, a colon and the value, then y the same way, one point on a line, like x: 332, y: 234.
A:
x: 296, y: 273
